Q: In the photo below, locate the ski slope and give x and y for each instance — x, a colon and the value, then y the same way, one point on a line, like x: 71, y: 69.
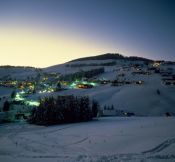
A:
x: 108, y: 139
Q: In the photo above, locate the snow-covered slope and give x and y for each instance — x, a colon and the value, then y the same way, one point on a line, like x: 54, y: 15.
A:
x: 17, y: 72
x: 67, y: 68
x: 114, y: 139
x: 99, y: 59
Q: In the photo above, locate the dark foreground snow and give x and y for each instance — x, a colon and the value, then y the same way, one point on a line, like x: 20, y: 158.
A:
x: 113, y: 139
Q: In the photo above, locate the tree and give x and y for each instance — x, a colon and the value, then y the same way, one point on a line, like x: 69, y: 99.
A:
x: 58, y: 87
x: 112, y: 107
x: 6, y: 106
x: 34, y: 91
x: 158, y: 91
x: 64, y: 109
x: 167, y: 114
x: 95, y: 108
x: 13, y: 94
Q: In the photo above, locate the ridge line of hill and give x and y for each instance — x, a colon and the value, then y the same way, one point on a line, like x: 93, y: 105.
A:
x: 114, y: 56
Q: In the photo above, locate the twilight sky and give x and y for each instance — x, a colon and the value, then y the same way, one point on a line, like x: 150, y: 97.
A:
x: 41, y: 33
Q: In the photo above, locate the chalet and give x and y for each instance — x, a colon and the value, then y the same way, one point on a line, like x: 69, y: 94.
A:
x: 129, y: 114
x: 109, y: 112
x: 84, y: 86
x: 8, y: 83
x: 139, y: 82
x: 117, y: 83
x: 121, y: 75
x: 152, y: 68
x: 168, y: 81
x: 141, y: 73
x: 128, y: 82
x: 104, y: 81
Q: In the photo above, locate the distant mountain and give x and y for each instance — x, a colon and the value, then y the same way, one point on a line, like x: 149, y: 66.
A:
x: 113, y: 56
x: 99, y: 60
x: 22, y: 67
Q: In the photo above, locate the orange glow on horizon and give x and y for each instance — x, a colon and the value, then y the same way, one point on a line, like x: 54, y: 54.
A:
x: 41, y: 49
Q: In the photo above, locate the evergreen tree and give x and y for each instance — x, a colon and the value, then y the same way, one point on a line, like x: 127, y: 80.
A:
x: 95, y: 108
x: 64, y: 109
x: 158, y: 91
x: 13, y: 94
x: 58, y: 86
x: 6, y: 106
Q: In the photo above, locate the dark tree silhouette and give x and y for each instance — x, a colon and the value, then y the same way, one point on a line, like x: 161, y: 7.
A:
x: 13, y: 94
x: 6, y: 106
x: 64, y: 109
x: 158, y: 91
x: 95, y: 108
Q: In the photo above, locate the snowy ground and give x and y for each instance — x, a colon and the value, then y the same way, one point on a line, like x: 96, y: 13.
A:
x: 5, y: 91
x: 113, y: 139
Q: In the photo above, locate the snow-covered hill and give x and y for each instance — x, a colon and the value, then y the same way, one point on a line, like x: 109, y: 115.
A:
x: 141, y: 99
x: 93, y: 62
x: 72, y: 67
x: 12, y: 72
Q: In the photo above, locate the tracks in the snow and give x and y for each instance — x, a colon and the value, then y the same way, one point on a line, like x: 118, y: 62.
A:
x: 161, y: 146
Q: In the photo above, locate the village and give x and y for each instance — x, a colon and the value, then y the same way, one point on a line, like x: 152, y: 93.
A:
x: 20, y: 103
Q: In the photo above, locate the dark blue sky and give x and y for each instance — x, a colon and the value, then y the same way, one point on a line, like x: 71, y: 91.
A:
x: 133, y: 27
